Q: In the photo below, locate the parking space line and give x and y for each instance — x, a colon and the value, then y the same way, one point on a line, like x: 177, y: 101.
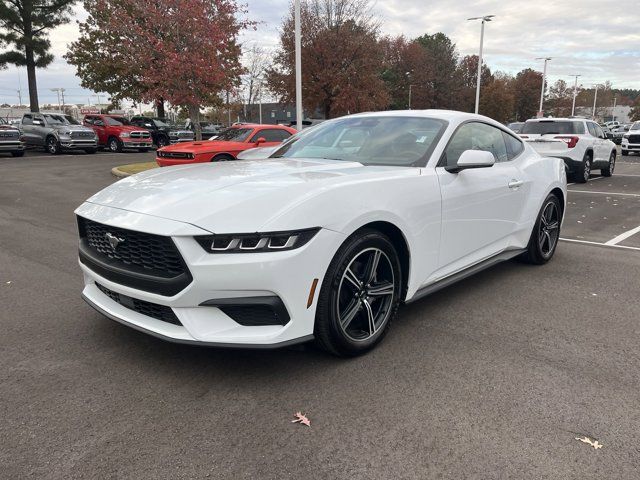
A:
x: 625, y: 175
x: 623, y: 236
x: 573, y: 240
x: 611, y: 194
x: 591, y: 180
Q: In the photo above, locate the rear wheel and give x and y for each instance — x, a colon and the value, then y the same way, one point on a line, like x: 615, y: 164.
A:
x: 585, y: 172
x: 359, y: 296
x: 222, y: 158
x: 546, y: 232
x: 608, y: 171
x: 163, y: 141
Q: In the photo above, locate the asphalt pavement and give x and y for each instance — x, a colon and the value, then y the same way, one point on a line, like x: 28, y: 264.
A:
x: 494, y: 377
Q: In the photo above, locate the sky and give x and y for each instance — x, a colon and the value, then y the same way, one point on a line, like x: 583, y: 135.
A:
x: 594, y: 38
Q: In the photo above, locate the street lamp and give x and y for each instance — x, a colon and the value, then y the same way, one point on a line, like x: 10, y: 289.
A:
x: 595, y: 99
x: 575, y: 93
x: 298, y: 41
x: 486, y: 18
x: 544, y: 79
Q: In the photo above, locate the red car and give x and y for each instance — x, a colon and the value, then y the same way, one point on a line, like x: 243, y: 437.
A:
x: 226, y: 146
x: 116, y: 133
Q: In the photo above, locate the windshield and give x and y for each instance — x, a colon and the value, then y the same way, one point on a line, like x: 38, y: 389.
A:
x: 397, y: 141
x: 55, y: 119
x: 234, y: 135
x: 116, y: 121
x: 71, y: 121
x: 545, y: 127
x: 2, y: 121
x: 159, y: 123
x: 635, y: 126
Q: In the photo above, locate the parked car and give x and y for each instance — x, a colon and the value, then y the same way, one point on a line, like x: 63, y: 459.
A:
x: 631, y: 140
x: 617, y: 133
x: 515, y: 126
x: 324, y: 239
x: 226, y: 146
x: 581, y: 143
x: 11, y: 140
x: 162, y: 133
x: 57, y: 133
x: 115, y: 133
x: 209, y: 129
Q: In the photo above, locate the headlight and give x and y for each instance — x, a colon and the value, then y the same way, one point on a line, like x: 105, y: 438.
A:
x: 256, y: 242
x: 125, y: 135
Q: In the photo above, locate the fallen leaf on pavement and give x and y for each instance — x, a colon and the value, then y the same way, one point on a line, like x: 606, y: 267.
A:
x: 593, y: 443
x: 302, y: 419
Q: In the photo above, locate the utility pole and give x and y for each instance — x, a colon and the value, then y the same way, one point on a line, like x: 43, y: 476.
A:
x: 57, y: 90
x: 486, y: 18
x: 595, y: 99
x: 544, y: 79
x: 410, y: 96
x: 575, y: 94
x: 298, y: 41
x: 19, y: 97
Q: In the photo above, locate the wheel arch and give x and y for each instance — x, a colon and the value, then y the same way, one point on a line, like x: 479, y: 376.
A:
x: 399, y: 241
x: 557, y: 191
x: 223, y: 154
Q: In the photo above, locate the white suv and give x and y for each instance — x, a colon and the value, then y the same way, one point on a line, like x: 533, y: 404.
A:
x: 631, y: 140
x: 580, y: 143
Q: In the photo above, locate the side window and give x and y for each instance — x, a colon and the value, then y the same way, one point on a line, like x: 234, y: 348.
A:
x: 271, y: 135
x: 514, y: 146
x: 39, y: 118
x: 592, y: 129
x: 88, y: 120
x: 98, y: 122
x: 600, y: 132
x: 475, y: 136
x: 27, y: 120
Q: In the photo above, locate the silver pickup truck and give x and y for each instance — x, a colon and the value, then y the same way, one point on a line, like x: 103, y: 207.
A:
x: 56, y: 133
x: 10, y: 139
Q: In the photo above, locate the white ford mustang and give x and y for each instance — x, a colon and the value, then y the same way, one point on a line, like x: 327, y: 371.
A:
x: 323, y: 239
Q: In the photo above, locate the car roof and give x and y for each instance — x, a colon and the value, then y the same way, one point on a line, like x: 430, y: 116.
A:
x: 558, y: 119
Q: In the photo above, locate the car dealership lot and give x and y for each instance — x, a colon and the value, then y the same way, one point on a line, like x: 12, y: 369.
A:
x: 491, y: 378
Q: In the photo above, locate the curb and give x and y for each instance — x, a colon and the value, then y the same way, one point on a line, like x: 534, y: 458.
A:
x: 116, y: 172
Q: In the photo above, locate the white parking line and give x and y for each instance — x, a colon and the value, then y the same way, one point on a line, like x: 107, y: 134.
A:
x: 591, y: 180
x: 611, y: 194
x: 623, y: 236
x: 572, y: 240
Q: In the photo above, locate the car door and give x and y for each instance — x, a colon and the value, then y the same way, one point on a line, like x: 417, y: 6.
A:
x: 603, y: 146
x: 97, y: 123
x: 26, y: 127
x: 39, y: 129
x: 596, y: 141
x: 481, y: 207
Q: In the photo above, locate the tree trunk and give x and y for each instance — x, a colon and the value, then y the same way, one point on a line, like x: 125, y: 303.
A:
x: 194, y: 115
x: 31, y: 79
x: 160, y: 107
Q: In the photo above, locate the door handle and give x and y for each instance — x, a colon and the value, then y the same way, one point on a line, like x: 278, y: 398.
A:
x: 515, y: 183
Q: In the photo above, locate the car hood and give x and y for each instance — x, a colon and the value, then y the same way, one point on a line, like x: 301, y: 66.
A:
x: 73, y: 128
x: 126, y: 128
x: 206, y: 146
x: 241, y: 196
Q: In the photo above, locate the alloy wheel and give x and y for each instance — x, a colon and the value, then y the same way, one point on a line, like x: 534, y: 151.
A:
x: 366, y: 294
x: 612, y: 163
x: 587, y: 169
x: 113, y: 145
x: 51, y: 146
x: 549, y: 229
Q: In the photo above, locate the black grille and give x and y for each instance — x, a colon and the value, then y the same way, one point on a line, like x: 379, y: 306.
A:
x: 151, y: 252
x: 139, y: 260
x: 153, y: 310
x: 634, y: 138
x: 174, y: 154
x: 253, y: 315
x: 9, y: 134
x: 139, y: 134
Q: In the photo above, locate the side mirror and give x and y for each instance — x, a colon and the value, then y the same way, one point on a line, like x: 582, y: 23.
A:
x: 261, y: 140
x: 472, y: 159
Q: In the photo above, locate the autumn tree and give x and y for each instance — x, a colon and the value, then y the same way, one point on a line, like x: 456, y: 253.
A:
x: 468, y: 77
x: 497, y: 98
x: 340, y: 58
x: 25, y: 27
x: 446, y: 83
x: 559, y: 99
x: 526, y: 88
x: 635, y: 110
x: 182, y: 51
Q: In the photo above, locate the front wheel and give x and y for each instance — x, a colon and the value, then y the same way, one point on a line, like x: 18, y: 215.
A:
x: 53, y: 146
x: 162, y: 142
x: 546, y: 232
x: 114, y: 145
x: 359, y: 296
x: 608, y: 171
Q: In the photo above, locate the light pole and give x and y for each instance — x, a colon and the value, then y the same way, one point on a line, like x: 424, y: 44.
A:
x: 595, y: 99
x: 410, y: 86
x: 575, y: 94
x: 486, y: 18
x: 544, y: 79
x: 97, y: 95
x: 58, y: 90
x: 298, y: 41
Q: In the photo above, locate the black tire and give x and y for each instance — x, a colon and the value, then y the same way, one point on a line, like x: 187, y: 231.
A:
x: 90, y: 151
x: 114, y: 145
x: 17, y: 154
x: 163, y: 141
x: 222, y: 158
x: 537, y: 253
x: 52, y: 145
x: 608, y: 171
x: 143, y: 150
x: 371, y: 306
x: 585, y: 172
x: 624, y: 153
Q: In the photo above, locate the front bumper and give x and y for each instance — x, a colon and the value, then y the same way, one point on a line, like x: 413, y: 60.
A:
x: 287, y: 276
x: 631, y: 147
x: 12, y: 146
x: 136, y: 143
x: 77, y: 144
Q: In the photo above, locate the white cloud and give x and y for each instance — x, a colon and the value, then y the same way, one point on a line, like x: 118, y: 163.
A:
x: 595, y: 38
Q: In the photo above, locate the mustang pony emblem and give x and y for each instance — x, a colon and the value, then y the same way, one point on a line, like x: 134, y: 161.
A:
x: 113, y: 240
